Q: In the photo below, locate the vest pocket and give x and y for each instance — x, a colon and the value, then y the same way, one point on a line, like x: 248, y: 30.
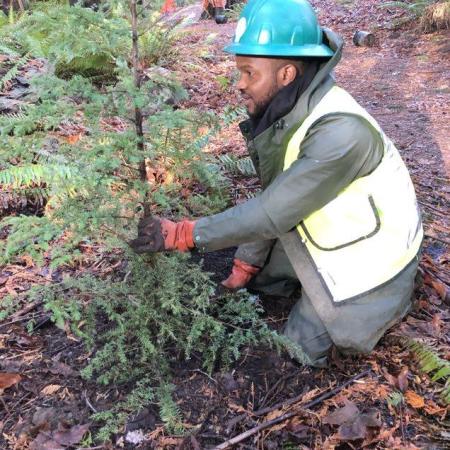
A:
x: 350, y: 222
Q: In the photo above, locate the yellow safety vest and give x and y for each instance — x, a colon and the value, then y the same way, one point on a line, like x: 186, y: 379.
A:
x: 371, y: 231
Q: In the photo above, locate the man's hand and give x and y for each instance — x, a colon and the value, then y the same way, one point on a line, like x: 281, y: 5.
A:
x: 158, y: 235
x: 241, y: 274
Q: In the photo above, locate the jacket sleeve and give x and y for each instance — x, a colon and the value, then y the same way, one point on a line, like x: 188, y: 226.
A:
x: 337, y: 150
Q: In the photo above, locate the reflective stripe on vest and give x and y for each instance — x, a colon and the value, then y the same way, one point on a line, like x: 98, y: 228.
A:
x: 371, y: 231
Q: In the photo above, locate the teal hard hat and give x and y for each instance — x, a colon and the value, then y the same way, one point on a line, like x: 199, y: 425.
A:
x: 278, y: 28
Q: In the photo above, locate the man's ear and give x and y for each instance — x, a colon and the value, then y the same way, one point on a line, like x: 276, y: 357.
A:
x: 286, y: 74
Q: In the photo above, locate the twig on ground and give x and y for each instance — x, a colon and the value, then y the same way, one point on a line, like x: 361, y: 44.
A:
x: 275, y: 387
x: 241, y: 437
x: 206, y: 375
x: 88, y: 403
x: 433, y: 208
x: 22, y: 318
x: 436, y: 238
x: 25, y: 310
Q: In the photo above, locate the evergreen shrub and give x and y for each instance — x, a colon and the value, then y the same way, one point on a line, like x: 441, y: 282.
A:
x: 80, y: 148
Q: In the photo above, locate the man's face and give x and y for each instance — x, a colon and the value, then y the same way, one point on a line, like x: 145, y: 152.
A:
x: 260, y: 79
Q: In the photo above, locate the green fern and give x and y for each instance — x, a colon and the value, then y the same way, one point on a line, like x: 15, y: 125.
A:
x: 236, y: 166
x: 431, y: 363
x: 395, y: 399
x: 232, y: 114
x: 34, y: 174
x: 50, y: 181
x: 13, y: 72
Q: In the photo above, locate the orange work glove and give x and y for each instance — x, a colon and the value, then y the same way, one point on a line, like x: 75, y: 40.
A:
x: 178, y: 236
x: 241, y: 274
x: 158, y: 235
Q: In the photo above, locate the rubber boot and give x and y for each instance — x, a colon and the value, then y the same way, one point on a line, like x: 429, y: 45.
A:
x: 219, y: 15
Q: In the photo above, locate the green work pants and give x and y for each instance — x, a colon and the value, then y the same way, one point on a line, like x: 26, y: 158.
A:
x: 304, y: 326
x: 360, y: 322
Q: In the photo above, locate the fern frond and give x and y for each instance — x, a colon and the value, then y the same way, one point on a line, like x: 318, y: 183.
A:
x: 12, y: 73
x: 35, y: 174
x: 232, y: 114
x: 395, y: 398
x: 14, y: 117
x: 431, y: 363
x: 236, y: 166
x: 6, y: 50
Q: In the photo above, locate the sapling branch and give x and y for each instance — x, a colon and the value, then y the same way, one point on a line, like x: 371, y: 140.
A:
x: 138, y: 118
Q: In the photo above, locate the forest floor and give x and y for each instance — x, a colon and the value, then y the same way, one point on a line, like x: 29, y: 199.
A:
x: 403, y: 83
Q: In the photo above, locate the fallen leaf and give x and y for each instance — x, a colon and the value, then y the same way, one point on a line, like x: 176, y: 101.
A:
x: 351, y: 431
x: 274, y: 414
x: 43, y: 441
x: 309, y: 395
x: 73, y: 139
x: 238, y: 408
x: 436, y: 325
x: 43, y: 415
x: 439, y: 287
x: 433, y: 409
x: 59, y: 440
x: 414, y: 400
x: 8, y: 379
x: 389, y: 378
x: 50, y: 389
x: 342, y: 415
x: 400, y: 381
x: 71, y: 436
x: 59, y: 368
x: 361, y: 427
x: 165, y: 441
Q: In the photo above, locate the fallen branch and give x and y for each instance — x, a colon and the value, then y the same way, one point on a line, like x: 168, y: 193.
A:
x: 433, y: 208
x: 436, y: 238
x: 241, y: 437
x: 25, y: 310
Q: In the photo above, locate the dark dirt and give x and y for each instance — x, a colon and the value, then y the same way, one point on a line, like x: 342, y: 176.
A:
x: 403, y: 82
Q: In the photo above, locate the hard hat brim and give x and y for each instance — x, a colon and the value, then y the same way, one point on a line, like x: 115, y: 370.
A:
x: 308, y: 50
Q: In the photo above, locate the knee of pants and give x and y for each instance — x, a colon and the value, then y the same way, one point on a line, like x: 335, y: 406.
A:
x: 305, y: 328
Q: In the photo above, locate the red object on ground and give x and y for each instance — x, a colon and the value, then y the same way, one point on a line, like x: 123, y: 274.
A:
x: 169, y: 6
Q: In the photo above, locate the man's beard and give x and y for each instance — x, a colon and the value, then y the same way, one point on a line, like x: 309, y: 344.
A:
x: 261, y: 106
